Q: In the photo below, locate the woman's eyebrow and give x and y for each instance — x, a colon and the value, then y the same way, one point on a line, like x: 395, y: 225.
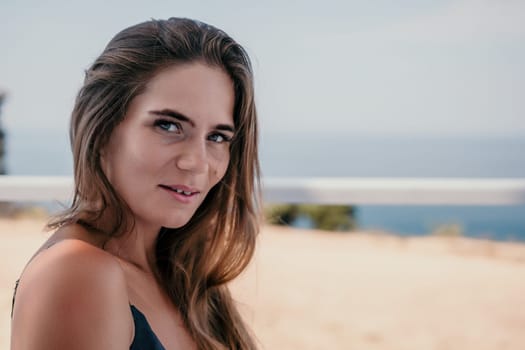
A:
x: 225, y: 127
x: 173, y: 114
x: 166, y: 112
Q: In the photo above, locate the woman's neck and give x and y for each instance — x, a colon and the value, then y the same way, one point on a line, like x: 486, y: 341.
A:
x: 136, y: 247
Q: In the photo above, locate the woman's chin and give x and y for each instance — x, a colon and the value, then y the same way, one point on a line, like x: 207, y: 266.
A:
x: 175, y: 224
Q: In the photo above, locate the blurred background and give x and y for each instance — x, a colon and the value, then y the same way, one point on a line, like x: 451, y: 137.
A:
x: 344, y: 88
x: 407, y: 88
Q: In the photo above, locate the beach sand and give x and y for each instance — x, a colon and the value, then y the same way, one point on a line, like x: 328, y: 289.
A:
x: 319, y: 290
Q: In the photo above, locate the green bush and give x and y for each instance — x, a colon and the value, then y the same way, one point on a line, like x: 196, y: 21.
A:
x: 324, y: 217
x: 448, y: 230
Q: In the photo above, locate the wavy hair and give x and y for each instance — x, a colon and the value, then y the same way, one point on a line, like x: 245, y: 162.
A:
x: 194, y: 262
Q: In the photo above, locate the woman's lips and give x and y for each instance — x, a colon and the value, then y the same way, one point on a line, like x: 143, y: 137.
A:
x: 182, y: 193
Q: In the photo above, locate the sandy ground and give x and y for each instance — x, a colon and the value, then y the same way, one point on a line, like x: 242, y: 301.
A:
x: 316, y: 290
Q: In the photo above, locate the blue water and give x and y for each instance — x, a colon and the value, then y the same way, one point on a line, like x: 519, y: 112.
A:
x: 47, y: 153
x: 503, y: 223
x: 358, y: 156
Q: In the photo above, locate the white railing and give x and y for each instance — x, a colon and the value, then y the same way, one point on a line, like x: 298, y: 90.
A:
x: 423, y: 191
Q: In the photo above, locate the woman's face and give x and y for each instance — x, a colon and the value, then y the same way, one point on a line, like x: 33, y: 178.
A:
x: 173, y: 144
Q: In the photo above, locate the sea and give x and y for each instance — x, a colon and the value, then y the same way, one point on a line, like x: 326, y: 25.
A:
x: 40, y: 152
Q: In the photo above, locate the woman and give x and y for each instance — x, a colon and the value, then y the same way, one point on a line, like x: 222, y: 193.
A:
x: 165, y: 212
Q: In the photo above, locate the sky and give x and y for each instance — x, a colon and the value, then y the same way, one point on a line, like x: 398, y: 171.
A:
x: 405, y: 67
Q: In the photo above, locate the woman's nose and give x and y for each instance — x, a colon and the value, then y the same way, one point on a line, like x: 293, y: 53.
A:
x: 193, y: 157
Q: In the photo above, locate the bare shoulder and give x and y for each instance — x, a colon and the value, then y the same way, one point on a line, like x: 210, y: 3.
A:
x: 72, y: 295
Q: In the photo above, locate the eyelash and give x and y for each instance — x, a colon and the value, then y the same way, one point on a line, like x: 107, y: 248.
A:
x: 165, y: 125
x: 224, y: 138
x: 162, y: 123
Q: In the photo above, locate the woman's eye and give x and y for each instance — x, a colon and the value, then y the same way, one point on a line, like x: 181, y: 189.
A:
x: 167, y: 125
x: 219, y: 138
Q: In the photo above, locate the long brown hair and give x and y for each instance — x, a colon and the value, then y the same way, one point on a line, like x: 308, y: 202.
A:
x: 194, y: 262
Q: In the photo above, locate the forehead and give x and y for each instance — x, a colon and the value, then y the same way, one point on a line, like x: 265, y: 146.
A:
x: 196, y: 89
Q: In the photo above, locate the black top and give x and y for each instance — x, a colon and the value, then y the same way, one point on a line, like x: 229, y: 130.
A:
x: 144, y: 338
